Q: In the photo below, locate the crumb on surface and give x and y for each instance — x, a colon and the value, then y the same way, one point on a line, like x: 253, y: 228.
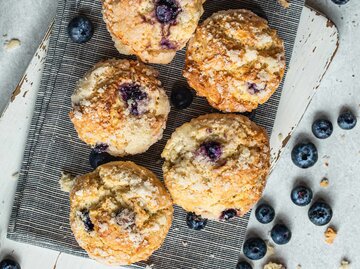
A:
x: 298, y: 266
x: 272, y: 265
x: 270, y: 249
x: 66, y: 182
x: 184, y: 243
x: 284, y: 3
x: 280, y: 136
x: 324, y: 182
x: 344, y: 264
x: 151, y: 266
x: 12, y: 44
x: 330, y: 235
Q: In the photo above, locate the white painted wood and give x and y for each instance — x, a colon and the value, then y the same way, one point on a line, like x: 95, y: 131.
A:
x: 302, y: 79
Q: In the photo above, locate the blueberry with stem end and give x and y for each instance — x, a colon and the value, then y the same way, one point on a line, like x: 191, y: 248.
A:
x: 80, y: 29
x: 280, y: 234
x: 347, y: 120
x: 254, y: 248
x: 301, y: 195
x: 304, y: 155
x: 320, y: 213
x: 265, y: 213
x: 322, y: 128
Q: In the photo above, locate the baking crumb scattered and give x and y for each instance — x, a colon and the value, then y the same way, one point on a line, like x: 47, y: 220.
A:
x: 270, y: 249
x: 284, y: 3
x: 184, y: 243
x: 212, y: 256
x: 12, y: 44
x: 298, y: 266
x: 324, y: 182
x: 280, y: 136
x: 330, y: 235
x: 272, y: 265
x: 344, y: 264
x: 66, y: 182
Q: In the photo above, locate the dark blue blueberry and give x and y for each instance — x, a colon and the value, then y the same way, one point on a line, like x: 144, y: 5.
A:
x: 98, y: 158
x: 347, y: 120
x: 181, y: 98
x: 132, y: 94
x: 195, y: 222
x: 102, y: 147
x: 228, y: 214
x: 243, y: 265
x: 304, y: 155
x: 211, y: 149
x: 320, y: 213
x: 85, y: 217
x: 167, y: 10
x: 9, y: 264
x: 80, y: 29
x: 265, y: 213
x: 322, y: 128
x: 280, y: 234
x: 301, y: 195
x: 254, y: 248
x: 340, y: 2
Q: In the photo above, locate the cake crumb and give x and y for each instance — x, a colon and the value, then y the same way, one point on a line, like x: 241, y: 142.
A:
x: 12, y: 44
x: 66, y: 182
x: 270, y: 248
x: 284, y: 3
x: 344, y: 264
x: 184, y: 243
x: 324, y: 182
x: 298, y: 266
x: 330, y: 235
x: 280, y: 137
x: 212, y: 256
x: 151, y: 266
x: 272, y: 265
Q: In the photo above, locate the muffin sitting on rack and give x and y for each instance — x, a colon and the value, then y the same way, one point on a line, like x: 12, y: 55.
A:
x: 235, y: 60
x: 153, y: 30
x: 119, y: 107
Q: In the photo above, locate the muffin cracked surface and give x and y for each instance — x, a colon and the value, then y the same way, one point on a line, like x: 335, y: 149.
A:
x: 120, y: 213
x: 153, y: 30
x: 120, y: 107
x: 235, y: 60
x: 215, y: 164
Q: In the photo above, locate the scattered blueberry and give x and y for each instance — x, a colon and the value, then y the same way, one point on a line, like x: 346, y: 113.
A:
x: 228, y: 214
x: 265, y: 213
x: 85, y: 217
x: 347, y: 120
x: 181, y: 98
x: 301, y: 195
x: 320, y: 213
x: 304, y: 155
x: 254, y: 248
x: 211, y: 149
x: 322, y: 128
x: 167, y: 10
x: 80, y: 29
x: 195, y: 222
x: 280, y: 234
x: 9, y: 264
x: 340, y: 2
x: 132, y: 94
x: 243, y: 265
x: 98, y: 158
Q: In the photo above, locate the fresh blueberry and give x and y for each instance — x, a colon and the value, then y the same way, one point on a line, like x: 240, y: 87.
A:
x: 85, y: 217
x: 280, y: 234
x: 98, y: 158
x: 132, y: 95
x: 211, y: 149
x: 181, y: 98
x: 167, y: 10
x: 340, y: 2
x: 322, y: 128
x: 228, y: 214
x: 243, y: 265
x: 304, y: 155
x: 347, y: 120
x: 9, y: 264
x: 265, y: 213
x: 254, y: 248
x: 301, y: 195
x: 320, y: 213
x: 195, y: 222
x: 80, y: 29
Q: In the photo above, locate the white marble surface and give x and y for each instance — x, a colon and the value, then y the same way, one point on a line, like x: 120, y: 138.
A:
x: 307, y: 246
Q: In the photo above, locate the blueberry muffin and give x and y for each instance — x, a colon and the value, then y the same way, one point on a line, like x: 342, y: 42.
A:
x: 235, y: 60
x: 153, y: 30
x: 120, y: 213
x: 120, y: 107
x: 216, y: 165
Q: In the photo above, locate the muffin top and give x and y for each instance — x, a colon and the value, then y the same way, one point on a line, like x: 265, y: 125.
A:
x: 216, y: 163
x: 120, y: 107
x: 120, y: 213
x: 153, y: 30
x: 235, y: 60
